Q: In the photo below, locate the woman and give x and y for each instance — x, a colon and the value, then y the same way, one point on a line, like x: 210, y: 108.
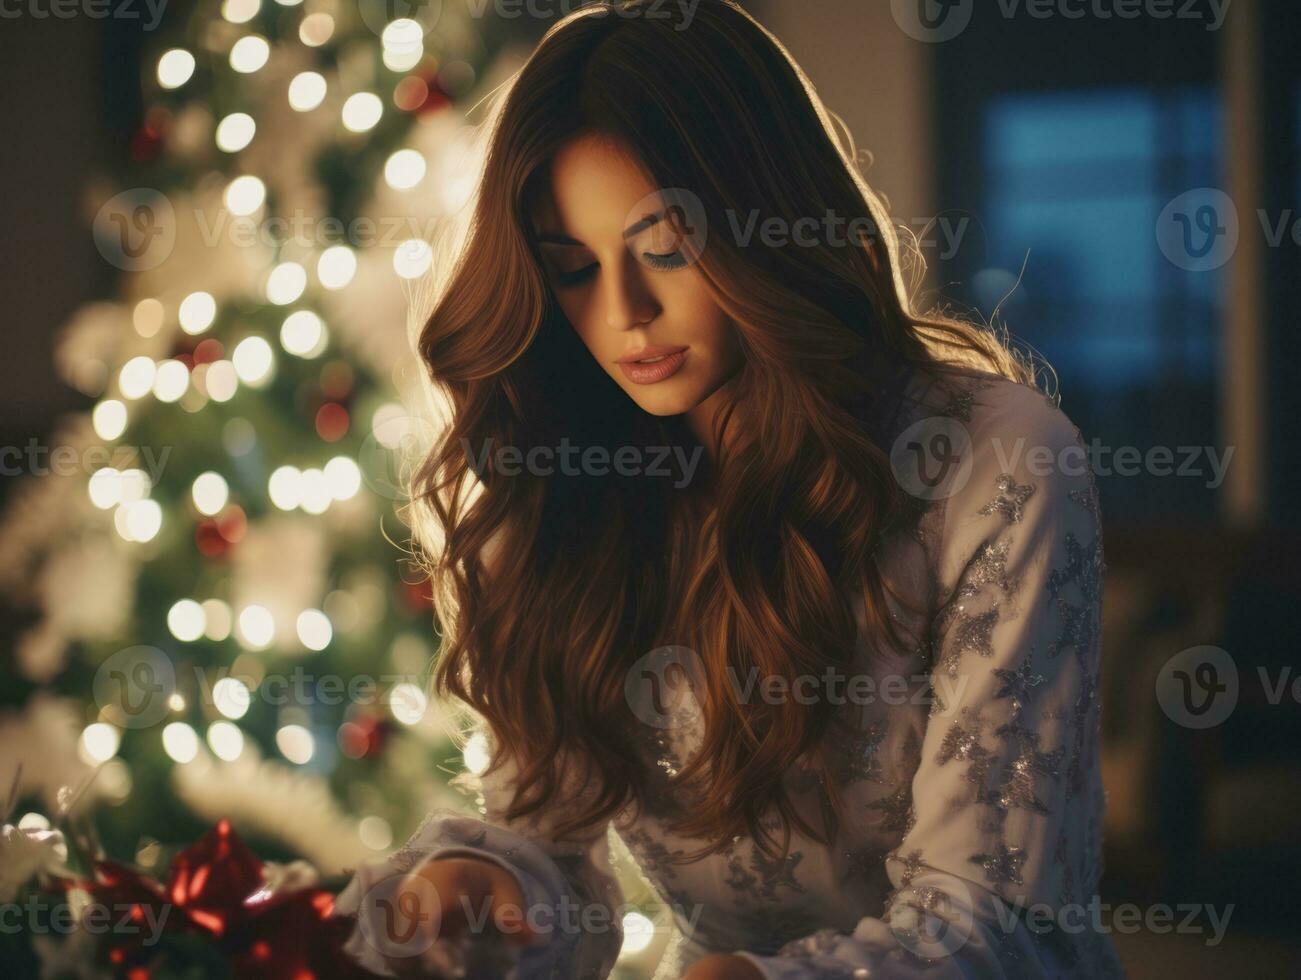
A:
x: 808, y: 612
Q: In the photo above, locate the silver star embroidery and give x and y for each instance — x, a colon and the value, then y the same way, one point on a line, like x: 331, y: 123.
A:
x: 971, y: 633
x: 1011, y: 499
x: 987, y: 567
x: 912, y: 867
x: 1017, y: 684
x: 1004, y: 865
x: 962, y: 741
x: 895, y: 809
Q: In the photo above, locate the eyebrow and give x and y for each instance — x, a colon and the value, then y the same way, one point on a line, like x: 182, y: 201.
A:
x: 556, y: 238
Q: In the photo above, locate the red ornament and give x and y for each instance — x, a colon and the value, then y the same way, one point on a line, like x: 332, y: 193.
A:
x: 332, y: 421
x: 146, y: 144
x: 208, y: 350
x: 215, y: 889
x: 364, y: 735
x: 232, y: 523
x: 209, y: 540
x: 416, y: 596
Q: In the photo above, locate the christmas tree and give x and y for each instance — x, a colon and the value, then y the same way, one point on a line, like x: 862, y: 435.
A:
x: 220, y: 616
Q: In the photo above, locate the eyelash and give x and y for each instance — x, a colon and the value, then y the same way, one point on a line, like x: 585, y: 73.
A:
x: 663, y: 263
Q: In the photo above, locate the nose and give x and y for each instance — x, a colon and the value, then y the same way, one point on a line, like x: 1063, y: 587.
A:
x: 628, y: 298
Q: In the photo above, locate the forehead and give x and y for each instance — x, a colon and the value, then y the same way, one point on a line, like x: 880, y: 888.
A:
x: 595, y: 188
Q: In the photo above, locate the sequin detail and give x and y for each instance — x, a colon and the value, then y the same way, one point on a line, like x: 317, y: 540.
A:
x: 1011, y: 499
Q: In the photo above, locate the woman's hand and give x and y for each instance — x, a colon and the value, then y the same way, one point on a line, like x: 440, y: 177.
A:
x: 723, y: 966
x: 468, y: 915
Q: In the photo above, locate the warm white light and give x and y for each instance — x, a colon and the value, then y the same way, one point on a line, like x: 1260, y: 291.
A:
x: 109, y: 419
x: 185, y: 620
x: 221, y: 381
x: 475, y: 753
x: 176, y: 702
x: 404, y: 170
x: 198, y: 310
x: 231, y: 697
x: 395, y: 60
x: 390, y: 425
x: 314, y: 629
x: 412, y: 258
x: 216, y: 619
x: 180, y: 742
x: 147, y: 317
x: 256, y: 627
x: 344, y: 477
x: 210, y: 492
x: 303, y: 334
x: 240, y: 11
x: 248, y: 54
x: 226, y: 740
x: 407, y: 703
x: 403, y: 34
x: 140, y: 520
x: 306, y: 91
x: 245, y: 195
x: 375, y: 833
x: 136, y: 379
x: 296, y: 744
x: 316, y: 29
x: 638, y: 932
x: 253, y: 360
x: 285, y: 488
x: 235, y: 132
x: 336, y: 267
x: 286, y: 283
x: 175, y: 68
x: 99, y: 741
x: 316, y: 491
x: 135, y: 484
x: 362, y: 111
x: 105, y: 487
x: 171, y: 380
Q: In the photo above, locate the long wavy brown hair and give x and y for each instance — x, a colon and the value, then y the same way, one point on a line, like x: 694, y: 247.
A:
x: 588, y: 573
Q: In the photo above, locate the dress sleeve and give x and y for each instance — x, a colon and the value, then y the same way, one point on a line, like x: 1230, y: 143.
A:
x: 994, y: 875
x: 570, y: 890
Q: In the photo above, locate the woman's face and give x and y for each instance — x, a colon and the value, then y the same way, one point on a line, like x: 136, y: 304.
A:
x: 627, y: 280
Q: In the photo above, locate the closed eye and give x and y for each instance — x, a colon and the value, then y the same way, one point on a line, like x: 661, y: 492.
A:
x: 663, y: 263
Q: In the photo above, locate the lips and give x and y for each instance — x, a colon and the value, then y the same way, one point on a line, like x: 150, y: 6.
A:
x: 650, y: 353
x: 660, y: 367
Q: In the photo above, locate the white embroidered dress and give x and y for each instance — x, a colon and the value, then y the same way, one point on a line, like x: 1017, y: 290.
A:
x: 973, y: 785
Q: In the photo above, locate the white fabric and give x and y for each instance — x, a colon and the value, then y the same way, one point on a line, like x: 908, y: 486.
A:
x: 966, y: 810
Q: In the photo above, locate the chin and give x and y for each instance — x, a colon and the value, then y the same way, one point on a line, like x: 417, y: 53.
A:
x: 666, y: 403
